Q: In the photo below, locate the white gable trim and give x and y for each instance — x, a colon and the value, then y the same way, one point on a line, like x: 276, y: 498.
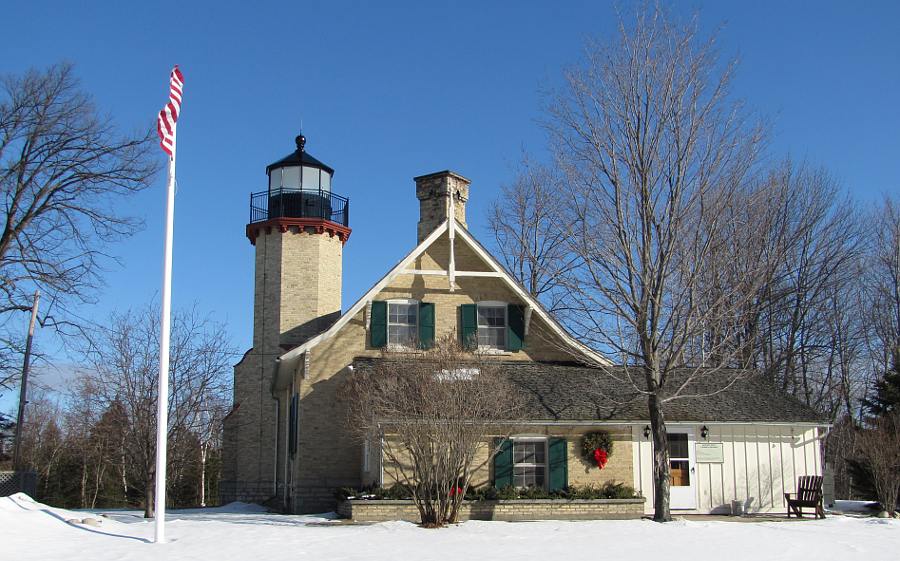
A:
x: 289, y: 359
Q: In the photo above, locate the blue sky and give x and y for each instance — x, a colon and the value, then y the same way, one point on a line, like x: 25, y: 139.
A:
x: 390, y: 90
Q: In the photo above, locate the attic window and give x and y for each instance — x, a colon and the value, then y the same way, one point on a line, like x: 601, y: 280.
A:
x: 492, y: 325
x: 403, y: 322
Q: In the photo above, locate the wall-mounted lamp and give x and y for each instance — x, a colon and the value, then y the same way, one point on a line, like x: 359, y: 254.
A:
x: 704, y: 432
x: 646, y: 431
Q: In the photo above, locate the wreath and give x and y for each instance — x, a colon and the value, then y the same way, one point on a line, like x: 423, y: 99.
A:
x: 597, y: 447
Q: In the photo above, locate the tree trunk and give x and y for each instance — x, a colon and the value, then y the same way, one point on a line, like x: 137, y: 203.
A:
x: 148, y: 497
x: 661, y: 466
x: 203, y: 475
x: 83, y: 483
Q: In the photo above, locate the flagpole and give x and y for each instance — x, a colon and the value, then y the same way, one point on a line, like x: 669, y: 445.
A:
x: 162, y: 408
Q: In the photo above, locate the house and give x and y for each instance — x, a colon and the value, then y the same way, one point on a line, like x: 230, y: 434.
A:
x: 286, y: 440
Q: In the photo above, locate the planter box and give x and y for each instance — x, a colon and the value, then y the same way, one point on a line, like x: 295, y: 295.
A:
x: 511, y: 510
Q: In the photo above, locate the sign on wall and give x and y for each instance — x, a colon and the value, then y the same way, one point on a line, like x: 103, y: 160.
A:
x: 710, y: 452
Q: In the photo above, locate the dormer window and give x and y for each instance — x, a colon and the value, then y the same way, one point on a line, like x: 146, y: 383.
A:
x: 403, y: 324
x: 492, y: 325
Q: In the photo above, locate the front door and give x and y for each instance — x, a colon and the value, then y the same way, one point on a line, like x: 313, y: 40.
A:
x: 682, y: 475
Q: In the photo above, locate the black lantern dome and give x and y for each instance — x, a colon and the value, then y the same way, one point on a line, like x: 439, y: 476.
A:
x: 300, y: 170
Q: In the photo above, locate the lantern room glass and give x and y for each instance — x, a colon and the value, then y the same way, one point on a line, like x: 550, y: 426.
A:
x: 307, y: 178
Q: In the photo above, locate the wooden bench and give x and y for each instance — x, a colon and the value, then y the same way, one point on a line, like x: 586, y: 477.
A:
x: 809, y: 495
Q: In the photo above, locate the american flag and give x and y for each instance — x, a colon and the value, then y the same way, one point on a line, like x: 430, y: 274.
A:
x: 165, y: 123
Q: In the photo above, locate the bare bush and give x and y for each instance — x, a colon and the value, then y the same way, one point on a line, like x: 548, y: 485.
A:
x: 879, y: 449
x: 435, y: 412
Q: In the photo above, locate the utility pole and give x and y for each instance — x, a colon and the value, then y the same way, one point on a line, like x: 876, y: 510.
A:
x: 23, y: 388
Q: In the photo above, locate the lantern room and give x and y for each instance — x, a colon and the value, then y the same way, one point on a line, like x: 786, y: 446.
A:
x: 299, y: 188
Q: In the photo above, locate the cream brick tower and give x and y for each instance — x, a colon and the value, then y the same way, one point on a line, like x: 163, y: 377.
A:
x: 298, y: 227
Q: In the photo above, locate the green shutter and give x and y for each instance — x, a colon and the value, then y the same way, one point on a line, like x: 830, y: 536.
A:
x: 426, y: 325
x: 378, y: 325
x: 468, y: 320
x: 559, y: 470
x: 503, y: 464
x: 515, y: 327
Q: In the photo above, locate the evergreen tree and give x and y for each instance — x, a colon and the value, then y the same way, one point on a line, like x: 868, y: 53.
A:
x: 885, y: 400
x: 887, y: 394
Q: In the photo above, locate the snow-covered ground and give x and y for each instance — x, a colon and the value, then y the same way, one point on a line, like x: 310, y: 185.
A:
x: 30, y: 530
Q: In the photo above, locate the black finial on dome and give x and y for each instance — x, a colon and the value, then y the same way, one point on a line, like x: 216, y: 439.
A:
x: 299, y: 157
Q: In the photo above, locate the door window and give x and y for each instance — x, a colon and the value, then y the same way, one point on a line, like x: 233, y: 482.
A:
x: 679, y: 461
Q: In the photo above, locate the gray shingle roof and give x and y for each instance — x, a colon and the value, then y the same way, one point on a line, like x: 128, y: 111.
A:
x: 559, y: 392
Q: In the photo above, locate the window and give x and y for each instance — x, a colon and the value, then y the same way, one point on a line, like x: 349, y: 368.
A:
x: 492, y: 326
x: 529, y: 462
x: 403, y: 324
x: 679, y: 460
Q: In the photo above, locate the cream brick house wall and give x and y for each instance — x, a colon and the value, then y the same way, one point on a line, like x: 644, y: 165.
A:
x: 619, y: 469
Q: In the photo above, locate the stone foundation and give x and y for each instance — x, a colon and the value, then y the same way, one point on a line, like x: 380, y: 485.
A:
x: 512, y: 510
x: 245, y: 491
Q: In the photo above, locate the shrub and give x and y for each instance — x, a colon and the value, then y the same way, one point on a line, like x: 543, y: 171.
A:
x: 372, y: 492
x: 608, y: 490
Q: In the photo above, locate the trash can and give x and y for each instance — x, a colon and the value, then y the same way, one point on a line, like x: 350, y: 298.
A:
x: 737, y: 508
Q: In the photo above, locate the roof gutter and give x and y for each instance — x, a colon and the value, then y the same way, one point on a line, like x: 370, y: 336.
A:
x: 582, y: 423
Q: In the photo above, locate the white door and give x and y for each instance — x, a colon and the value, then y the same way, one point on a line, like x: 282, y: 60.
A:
x: 682, y: 472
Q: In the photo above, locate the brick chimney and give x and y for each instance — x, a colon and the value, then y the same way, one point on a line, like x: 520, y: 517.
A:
x: 434, y: 191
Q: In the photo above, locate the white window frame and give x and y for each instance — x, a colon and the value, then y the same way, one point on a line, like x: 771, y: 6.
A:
x: 478, y: 328
x: 546, y: 465
x: 404, y: 301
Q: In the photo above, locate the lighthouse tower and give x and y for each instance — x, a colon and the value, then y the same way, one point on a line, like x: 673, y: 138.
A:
x: 298, y: 226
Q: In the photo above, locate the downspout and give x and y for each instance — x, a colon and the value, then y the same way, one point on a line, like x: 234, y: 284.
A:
x: 287, y: 450
x: 275, y: 460
x: 277, y: 417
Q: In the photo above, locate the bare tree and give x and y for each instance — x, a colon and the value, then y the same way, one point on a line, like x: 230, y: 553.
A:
x: 798, y: 327
x: 63, y: 172
x: 124, y: 363
x: 820, y: 260
x: 435, y: 412
x: 654, y: 151
x: 524, y: 221
x: 882, y: 285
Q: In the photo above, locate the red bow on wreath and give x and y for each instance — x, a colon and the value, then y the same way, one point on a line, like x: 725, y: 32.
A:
x: 601, y: 457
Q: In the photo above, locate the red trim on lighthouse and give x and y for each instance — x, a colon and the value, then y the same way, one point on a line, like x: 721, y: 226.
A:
x: 319, y: 226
